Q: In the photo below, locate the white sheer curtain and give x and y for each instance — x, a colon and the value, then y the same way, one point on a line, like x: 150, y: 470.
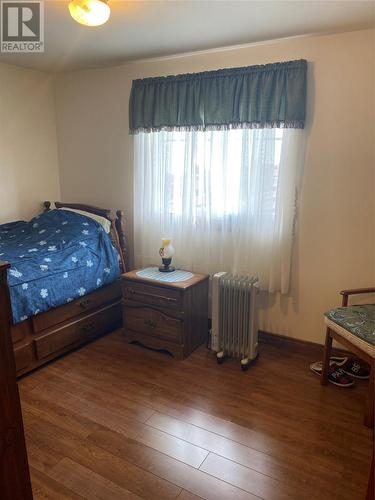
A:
x: 226, y: 198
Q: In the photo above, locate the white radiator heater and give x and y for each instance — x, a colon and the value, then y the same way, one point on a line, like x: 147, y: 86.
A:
x: 234, y: 328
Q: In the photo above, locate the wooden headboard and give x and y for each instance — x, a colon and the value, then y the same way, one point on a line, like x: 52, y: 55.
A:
x: 117, y: 225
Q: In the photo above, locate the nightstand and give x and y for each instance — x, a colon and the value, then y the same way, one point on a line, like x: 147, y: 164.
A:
x: 172, y: 316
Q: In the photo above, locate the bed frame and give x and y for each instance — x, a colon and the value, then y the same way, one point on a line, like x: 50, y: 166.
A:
x: 42, y: 338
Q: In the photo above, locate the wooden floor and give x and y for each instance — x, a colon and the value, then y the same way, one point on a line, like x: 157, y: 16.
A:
x: 116, y: 421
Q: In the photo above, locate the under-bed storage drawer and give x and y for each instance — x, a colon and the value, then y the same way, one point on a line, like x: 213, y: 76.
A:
x: 86, y: 328
x: 20, y: 331
x: 23, y: 356
x: 86, y: 303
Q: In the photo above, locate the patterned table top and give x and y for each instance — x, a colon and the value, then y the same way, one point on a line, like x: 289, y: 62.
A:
x: 153, y: 273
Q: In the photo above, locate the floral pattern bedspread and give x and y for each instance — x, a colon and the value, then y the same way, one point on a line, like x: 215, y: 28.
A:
x: 55, y: 258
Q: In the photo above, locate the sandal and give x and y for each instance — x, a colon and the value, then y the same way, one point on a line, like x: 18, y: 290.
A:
x: 356, y: 368
x: 336, y: 375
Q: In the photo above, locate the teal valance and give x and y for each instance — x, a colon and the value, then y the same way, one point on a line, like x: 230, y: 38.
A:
x: 270, y: 95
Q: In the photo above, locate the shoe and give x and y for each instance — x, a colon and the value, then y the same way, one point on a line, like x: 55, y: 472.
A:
x: 356, y: 368
x: 339, y: 360
x: 336, y: 375
x: 317, y: 367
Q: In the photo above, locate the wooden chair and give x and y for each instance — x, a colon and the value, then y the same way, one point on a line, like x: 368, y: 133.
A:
x: 354, y: 328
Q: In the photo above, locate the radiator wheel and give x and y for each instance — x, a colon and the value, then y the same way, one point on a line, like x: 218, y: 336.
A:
x: 220, y: 357
x: 245, y: 363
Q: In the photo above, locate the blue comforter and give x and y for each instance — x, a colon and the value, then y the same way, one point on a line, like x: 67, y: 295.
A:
x: 55, y: 258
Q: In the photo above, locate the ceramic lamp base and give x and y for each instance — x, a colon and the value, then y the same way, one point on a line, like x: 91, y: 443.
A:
x: 163, y: 269
x: 166, y: 267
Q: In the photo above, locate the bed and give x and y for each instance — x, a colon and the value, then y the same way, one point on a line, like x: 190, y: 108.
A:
x: 64, y: 279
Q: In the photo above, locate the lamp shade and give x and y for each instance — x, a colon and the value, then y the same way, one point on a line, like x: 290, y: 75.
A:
x: 90, y: 12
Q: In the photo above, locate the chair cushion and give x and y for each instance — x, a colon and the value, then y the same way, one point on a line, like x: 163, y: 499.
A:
x: 358, y: 320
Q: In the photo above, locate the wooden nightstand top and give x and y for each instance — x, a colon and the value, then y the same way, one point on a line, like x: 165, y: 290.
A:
x: 180, y: 285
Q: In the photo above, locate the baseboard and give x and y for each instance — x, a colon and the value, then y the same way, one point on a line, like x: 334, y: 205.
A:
x: 296, y: 344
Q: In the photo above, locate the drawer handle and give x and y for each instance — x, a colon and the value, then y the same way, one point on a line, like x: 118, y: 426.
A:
x: 88, y: 328
x: 150, y: 322
x: 84, y: 303
x: 168, y: 299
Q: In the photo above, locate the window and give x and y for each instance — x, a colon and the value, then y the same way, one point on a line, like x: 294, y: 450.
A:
x: 216, y: 168
x: 225, y: 197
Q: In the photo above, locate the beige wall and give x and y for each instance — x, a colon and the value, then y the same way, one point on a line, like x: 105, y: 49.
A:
x: 28, y: 145
x: 334, y: 246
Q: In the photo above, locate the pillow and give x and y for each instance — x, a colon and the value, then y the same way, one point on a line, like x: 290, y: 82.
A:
x: 102, y: 220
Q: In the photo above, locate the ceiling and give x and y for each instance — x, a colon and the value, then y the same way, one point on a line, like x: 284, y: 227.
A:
x: 144, y: 29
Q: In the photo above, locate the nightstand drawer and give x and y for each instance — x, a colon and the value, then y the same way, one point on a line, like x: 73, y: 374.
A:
x: 152, y: 295
x: 153, y: 322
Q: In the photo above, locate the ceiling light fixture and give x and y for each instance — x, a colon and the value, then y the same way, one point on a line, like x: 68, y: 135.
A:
x: 90, y: 12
